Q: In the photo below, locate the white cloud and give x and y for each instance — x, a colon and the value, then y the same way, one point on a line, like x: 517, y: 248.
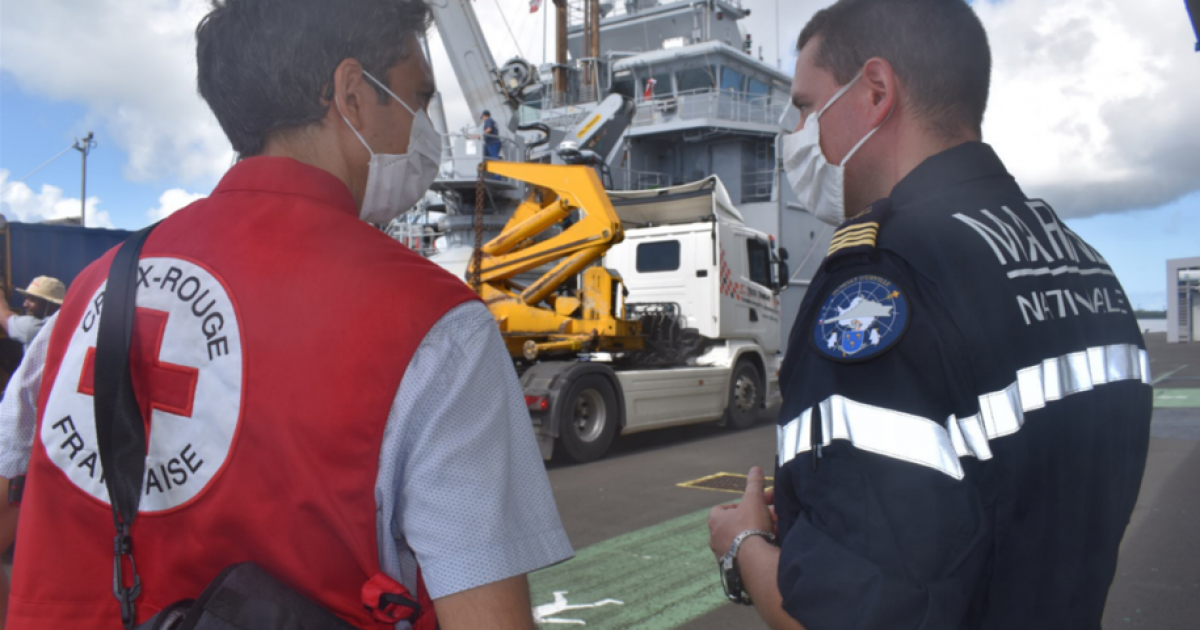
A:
x: 171, y: 201
x: 1092, y: 102
x: 132, y: 63
x: 19, y: 202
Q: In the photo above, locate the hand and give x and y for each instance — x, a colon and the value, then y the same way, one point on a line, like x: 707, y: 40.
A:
x: 754, y: 511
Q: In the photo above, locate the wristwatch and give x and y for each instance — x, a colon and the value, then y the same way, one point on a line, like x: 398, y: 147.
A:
x: 731, y: 578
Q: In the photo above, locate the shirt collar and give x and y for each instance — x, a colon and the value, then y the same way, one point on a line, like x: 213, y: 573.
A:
x: 281, y: 175
x: 964, y: 163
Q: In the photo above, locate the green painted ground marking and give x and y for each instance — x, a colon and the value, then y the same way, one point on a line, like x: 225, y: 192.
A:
x: 664, y: 575
x: 1177, y: 398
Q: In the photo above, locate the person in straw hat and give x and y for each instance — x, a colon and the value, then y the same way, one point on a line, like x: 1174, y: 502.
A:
x: 42, y: 299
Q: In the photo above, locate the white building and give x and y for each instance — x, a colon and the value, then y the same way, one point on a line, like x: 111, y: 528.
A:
x: 1183, y: 300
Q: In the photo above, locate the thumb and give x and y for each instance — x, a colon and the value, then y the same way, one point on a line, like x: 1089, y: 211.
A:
x: 754, y: 486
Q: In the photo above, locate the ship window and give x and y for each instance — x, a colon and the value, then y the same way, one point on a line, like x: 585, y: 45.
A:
x: 696, y: 79
x: 662, y: 85
x: 758, y: 88
x: 659, y: 256
x: 731, y: 80
x: 759, y: 256
x: 623, y: 86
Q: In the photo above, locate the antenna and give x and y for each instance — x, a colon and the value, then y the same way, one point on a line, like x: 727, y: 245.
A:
x: 778, y: 50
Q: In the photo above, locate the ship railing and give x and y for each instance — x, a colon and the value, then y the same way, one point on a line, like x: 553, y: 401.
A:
x: 421, y: 238
x: 725, y: 105
x: 758, y: 186
x: 628, y: 179
x: 557, y: 118
x: 575, y: 9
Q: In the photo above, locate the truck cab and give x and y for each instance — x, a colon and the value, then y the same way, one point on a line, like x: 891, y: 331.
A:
x: 690, y: 247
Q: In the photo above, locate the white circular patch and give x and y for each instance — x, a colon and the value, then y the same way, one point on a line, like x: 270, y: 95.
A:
x: 187, y: 360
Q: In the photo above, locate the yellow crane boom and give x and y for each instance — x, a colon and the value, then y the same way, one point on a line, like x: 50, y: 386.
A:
x: 539, y: 319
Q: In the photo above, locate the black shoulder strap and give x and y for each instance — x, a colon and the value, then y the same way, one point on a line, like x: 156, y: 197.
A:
x: 120, y: 429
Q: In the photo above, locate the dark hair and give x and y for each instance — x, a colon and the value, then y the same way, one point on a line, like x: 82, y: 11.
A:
x: 938, y: 49
x: 267, y: 65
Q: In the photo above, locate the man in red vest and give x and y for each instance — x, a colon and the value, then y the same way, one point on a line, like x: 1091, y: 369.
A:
x: 385, y: 453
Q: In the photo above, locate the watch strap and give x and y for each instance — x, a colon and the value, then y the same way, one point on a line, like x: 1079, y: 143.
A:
x: 731, y: 575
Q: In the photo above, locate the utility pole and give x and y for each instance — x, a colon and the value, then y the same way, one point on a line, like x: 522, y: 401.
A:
x: 84, y: 146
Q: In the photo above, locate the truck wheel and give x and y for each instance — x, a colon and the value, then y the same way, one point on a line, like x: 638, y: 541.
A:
x: 745, y: 396
x: 587, y: 418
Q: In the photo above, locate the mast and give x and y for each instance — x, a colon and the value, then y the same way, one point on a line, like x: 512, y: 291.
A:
x: 560, y: 52
x: 593, y: 49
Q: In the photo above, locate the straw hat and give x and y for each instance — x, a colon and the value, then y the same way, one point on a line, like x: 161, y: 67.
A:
x: 47, y: 288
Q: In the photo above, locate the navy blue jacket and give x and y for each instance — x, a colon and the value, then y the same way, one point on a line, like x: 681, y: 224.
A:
x: 966, y: 415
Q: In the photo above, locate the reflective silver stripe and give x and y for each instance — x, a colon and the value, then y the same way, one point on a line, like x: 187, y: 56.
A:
x: 875, y: 429
x: 924, y: 442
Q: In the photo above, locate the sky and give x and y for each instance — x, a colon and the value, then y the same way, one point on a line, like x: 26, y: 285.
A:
x: 1093, y: 108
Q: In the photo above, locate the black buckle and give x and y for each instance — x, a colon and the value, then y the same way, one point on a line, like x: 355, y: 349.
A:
x: 122, y: 548
x: 16, y: 489
x: 387, y: 600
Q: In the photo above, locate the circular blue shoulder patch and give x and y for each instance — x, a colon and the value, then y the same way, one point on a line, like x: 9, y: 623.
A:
x: 860, y: 319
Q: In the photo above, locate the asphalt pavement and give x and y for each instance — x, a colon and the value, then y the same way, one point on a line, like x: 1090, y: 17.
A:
x: 641, y: 538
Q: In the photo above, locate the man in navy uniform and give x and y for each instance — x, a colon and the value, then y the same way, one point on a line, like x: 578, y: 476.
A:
x: 966, y: 402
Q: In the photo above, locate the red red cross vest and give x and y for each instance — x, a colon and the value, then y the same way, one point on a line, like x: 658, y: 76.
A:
x: 272, y: 332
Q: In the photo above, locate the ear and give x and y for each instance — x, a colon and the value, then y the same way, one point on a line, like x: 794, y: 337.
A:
x: 883, y: 89
x: 350, y: 92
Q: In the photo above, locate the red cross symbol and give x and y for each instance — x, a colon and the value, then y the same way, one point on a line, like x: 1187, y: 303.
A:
x: 157, y: 385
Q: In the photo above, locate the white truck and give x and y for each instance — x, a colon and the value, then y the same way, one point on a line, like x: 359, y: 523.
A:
x: 707, y: 285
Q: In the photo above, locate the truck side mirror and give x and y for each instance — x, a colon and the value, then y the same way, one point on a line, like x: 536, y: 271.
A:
x: 783, y: 253
x: 783, y: 275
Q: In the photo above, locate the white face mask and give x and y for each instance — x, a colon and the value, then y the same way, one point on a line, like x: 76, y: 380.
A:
x: 395, y: 183
x: 819, y: 184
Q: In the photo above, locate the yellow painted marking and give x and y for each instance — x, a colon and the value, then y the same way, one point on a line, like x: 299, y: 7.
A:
x: 693, y: 483
x: 588, y: 127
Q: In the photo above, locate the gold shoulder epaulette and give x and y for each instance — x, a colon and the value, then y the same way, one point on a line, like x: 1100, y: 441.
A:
x: 860, y: 233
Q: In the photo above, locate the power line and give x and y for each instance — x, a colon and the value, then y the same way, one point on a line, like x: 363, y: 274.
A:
x: 800, y: 268
x: 510, y: 31
x: 31, y: 173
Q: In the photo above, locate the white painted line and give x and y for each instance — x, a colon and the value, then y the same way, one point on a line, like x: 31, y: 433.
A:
x: 546, y: 612
x: 1163, y: 377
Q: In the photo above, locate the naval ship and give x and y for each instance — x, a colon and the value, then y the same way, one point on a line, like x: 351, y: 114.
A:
x: 689, y: 97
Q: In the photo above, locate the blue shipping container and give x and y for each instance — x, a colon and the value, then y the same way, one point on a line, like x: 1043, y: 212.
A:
x: 58, y: 251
